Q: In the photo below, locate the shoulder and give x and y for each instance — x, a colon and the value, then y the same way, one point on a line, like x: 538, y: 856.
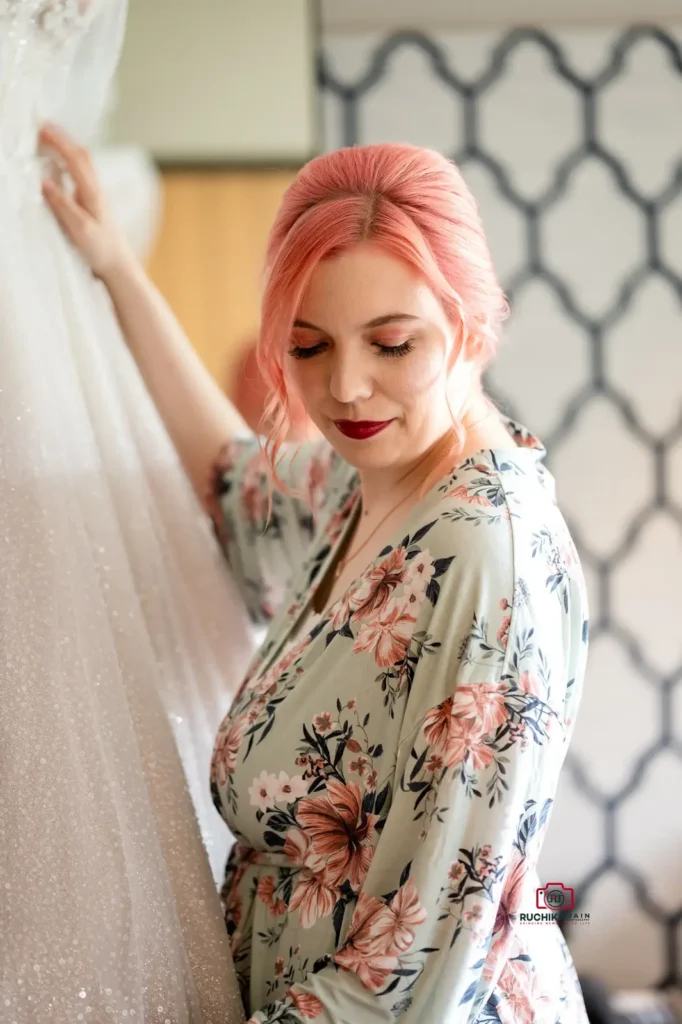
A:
x: 502, y: 584
x: 495, y: 516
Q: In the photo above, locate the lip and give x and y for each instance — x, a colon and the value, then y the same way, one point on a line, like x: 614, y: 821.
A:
x: 359, y: 430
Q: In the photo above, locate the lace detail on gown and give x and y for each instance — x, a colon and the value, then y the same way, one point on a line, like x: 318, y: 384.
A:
x: 57, y: 19
x: 57, y: 59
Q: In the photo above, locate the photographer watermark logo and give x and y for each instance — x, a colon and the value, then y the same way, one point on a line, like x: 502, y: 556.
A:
x: 555, y: 902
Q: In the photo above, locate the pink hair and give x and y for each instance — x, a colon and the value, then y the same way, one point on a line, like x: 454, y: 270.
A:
x: 413, y: 203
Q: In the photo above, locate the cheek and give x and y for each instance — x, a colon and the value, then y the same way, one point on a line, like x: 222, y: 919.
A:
x: 304, y: 378
x: 418, y: 377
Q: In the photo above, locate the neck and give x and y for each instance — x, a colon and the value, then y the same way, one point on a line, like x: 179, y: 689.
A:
x: 382, y: 488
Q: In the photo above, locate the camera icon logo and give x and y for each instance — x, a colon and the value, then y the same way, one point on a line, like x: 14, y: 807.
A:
x: 554, y: 896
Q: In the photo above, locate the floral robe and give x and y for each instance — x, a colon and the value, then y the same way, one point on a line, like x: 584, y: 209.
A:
x: 389, y: 771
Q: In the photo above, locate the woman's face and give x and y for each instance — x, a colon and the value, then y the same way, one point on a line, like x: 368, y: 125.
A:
x: 368, y: 355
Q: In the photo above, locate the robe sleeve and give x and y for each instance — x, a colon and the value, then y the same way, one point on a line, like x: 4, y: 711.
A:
x: 433, y: 934
x: 263, y: 552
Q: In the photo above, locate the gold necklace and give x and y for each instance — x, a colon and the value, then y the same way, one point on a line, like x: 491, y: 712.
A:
x: 432, y: 459
x: 343, y: 562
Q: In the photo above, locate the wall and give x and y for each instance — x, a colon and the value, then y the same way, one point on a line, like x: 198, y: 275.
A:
x: 211, y: 89
x: 208, y: 256
x: 219, y: 81
x: 571, y: 142
x: 439, y: 15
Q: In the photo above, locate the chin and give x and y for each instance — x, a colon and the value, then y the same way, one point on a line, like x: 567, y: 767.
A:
x: 377, y: 453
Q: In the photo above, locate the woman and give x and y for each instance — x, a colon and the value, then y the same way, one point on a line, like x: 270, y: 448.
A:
x: 390, y: 762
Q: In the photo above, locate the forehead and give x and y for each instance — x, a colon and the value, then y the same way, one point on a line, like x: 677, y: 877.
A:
x: 362, y: 284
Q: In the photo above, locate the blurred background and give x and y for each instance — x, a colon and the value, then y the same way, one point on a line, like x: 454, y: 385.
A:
x: 566, y: 119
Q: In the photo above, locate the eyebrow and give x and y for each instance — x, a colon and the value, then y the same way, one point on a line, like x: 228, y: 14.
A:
x: 378, y: 321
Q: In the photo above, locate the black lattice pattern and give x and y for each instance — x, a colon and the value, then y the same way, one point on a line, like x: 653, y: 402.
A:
x: 467, y: 95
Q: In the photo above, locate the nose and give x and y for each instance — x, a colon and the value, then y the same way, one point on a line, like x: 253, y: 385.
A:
x: 350, y: 379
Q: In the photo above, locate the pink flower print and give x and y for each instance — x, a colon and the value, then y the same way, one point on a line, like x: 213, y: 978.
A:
x: 377, y: 586
x: 267, y: 686
x: 360, y: 766
x: 265, y: 892
x: 279, y: 966
x: 314, y: 897
x: 567, y: 548
x: 530, y: 684
x: 323, y: 723
x: 466, y: 741
x: 438, y: 724
x: 343, y: 608
x: 227, y: 748
x: 434, y: 763
x: 318, y: 768
x: 463, y: 494
x: 409, y: 914
x: 455, y: 738
x: 456, y: 872
x: 379, y: 933
x: 420, y: 572
x: 262, y: 791
x: 290, y: 789
x: 484, y: 865
x: 308, y: 1005
x: 340, y: 831
x: 361, y: 954
x: 483, y: 702
x: 298, y: 849
x: 352, y: 704
x: 515, y: 987
x: 507, y: 910
x: 503, y: 631
x: 387, y: 637
x: 371, y: 782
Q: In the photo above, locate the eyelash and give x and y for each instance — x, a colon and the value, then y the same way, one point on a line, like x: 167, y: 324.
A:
x: 391, y: 351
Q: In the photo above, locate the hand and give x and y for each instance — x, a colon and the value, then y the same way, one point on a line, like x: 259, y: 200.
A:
x: 84, y: 216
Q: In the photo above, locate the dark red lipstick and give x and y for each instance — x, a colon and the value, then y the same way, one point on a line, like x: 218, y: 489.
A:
x: 359, y: 430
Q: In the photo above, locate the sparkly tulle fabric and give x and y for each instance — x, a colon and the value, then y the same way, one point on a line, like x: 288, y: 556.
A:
x: 121, y: 638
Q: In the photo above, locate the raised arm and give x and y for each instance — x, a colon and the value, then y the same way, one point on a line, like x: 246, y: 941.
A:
x: 198, y: 417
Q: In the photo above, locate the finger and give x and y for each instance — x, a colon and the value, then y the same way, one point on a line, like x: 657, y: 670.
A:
x: 72, y: 218
x: 78, y: 163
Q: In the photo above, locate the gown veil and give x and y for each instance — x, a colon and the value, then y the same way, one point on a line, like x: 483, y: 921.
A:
x: 121, y: 638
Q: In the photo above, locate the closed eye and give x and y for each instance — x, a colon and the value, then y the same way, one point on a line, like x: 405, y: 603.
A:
x: 394, y: 351
x: 307, y: 352
x: 391, y: 351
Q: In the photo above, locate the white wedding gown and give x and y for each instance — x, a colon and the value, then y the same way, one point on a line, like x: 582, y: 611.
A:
x: 121, y: 638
